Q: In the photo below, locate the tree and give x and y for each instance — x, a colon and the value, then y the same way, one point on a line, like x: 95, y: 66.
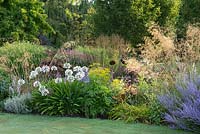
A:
x: 169, y: 13
x: 189, y: 14
x: 128, y: 18
x: 67, y: 17
x: 22, y: 20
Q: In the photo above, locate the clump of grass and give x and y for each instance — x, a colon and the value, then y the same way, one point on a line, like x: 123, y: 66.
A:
x: 19, y: 58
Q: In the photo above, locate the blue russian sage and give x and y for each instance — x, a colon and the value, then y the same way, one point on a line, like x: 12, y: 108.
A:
x: 183, y: 105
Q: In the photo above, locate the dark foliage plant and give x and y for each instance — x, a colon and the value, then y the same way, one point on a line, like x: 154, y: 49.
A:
x: 4, y: 85
x: 183, y: 106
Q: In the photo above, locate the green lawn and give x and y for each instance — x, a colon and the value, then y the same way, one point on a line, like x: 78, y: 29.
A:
x: 32, y: 124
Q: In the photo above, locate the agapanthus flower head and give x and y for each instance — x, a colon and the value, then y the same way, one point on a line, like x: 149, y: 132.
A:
x: 41, y: 87
x: 77, y: 69
x: 54, y: 68
x: 38, y: 69
x: 85, y: 69
x: 45, y: 92
x: 68, y: 72
x: 67, y: 65
x: 58, y: 80
x: 45, y: 69
x: 36, y: 84
x: 79, y: 76
x: 33, y: 74
x: 70, y: 78
x: 20, y: 82
x: 11, y: 89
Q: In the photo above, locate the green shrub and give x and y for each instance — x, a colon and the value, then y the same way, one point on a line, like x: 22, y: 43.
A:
x: 100, y: 75
x: 1, y: 106
x: 74, y: 99
x: 18, y: 104
x: 145, y: 93
x: 20, y: 57
x: 91, y: 99
x: 64, y: 99
x: 4, y: 85
x: 148, y: 95
x: 155, y: 115
x: 98, y: 100
x: 130, y: 113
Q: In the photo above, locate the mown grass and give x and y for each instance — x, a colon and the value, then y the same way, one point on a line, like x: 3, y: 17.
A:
x: 34, y: 124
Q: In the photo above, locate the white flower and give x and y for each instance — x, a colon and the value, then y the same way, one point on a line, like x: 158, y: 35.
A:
x: 33, y: 74
x: 85, y: 69
x: 38, y: 69
x: 79, y: 76
x: 45, y: 69
x: 77, y: 69
x: 21, y: 82
x: 41, y: 88
x: 58, y: 80
x: 11, y: 89
x: 36, y: 84
x: 68, y: 72
x: 67, y: 65
x: 70, y: 78
x: 54, y: 68
x: 45, y: 92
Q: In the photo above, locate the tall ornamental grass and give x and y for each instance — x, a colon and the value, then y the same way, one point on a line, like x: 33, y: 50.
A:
x: 19, y: 58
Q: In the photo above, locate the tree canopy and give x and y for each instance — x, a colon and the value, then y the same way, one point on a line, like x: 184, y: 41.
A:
x: 22, y: 20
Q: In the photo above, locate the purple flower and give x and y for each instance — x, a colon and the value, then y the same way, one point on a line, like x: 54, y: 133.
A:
x: 183, y: 105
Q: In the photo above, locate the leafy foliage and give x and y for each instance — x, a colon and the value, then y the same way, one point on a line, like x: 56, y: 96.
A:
x: 92, y: 99
x: 189, y: 14
x: 30, y: 17
x: 134, y: 16
x: 65, y: 99
x: 169, y: 12
x: 129, y: 113
x: 98, y: 100
x: 68, y: 18
x: 4, y: 85
x: 18, y: 104
x: 100, y: 75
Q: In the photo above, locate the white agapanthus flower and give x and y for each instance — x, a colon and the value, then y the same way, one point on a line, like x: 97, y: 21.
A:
x: 21, y: 82
x: 54, y: 68
x: 67, y: 65
x: 45, y: 92
x: 70, y: 78
x: 38, y: 69
x: 41, y: 88
x: 77, y: 69
x: 33, y: 74
x: 45, y: 69
x: 11, y: 89
x: 68, y: 72
x: 36, y: 84
x: 79, y: 76
x: 58, y: 80
x: 85, y: 69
